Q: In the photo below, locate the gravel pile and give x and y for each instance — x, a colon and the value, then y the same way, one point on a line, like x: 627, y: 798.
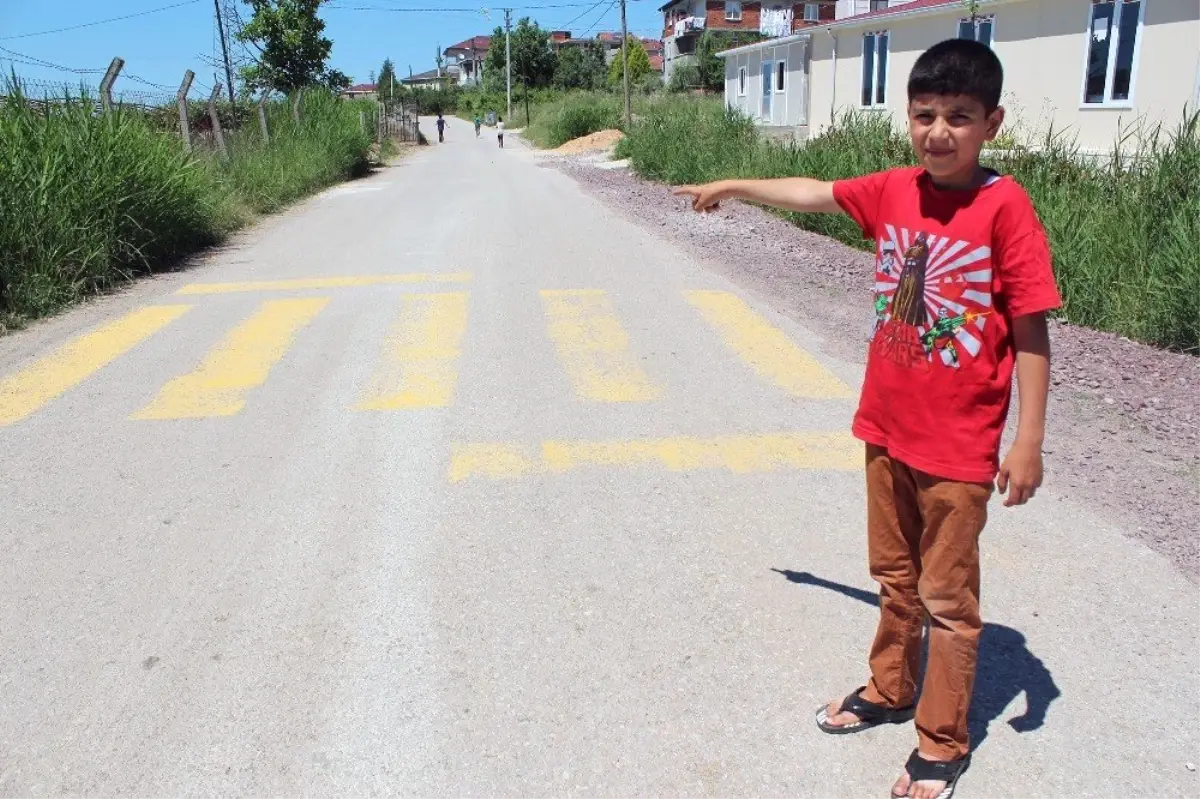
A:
x: 1124, y: 423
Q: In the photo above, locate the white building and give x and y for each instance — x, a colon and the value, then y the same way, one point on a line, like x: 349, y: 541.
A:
x: 1094, y: 67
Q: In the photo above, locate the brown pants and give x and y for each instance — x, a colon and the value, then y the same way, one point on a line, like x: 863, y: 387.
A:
x: 923, y: 544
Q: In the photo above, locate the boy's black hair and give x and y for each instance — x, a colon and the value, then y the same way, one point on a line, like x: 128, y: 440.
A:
x: 958, y: 67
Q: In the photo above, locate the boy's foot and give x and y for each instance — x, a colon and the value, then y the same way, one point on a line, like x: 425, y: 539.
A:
x: 855, y: 714
x: 929, y: 778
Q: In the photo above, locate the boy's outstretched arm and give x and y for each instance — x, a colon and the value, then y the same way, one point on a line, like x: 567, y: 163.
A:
x: 1021, y: 472
x: 795, y: 194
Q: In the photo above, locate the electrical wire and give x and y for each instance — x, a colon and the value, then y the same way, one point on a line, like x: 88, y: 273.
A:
x: 599, y: 19
x: 50, y: 64
x: 101, y: 21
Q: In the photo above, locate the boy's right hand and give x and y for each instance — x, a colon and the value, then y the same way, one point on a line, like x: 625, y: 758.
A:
x: 705, y: 197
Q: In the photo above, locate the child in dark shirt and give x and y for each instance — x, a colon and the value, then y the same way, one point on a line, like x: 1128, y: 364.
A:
x: 962, y: 286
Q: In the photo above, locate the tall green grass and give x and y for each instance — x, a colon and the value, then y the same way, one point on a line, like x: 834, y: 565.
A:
x: 88, y: 200
x: 1124, y: 231
x: 571, y: 116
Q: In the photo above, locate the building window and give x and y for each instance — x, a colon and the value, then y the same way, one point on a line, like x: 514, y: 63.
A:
x: 874, y: 74
x: 780, y: 75
x: 733, y: 10
x: 878, y: 5
x: 979, y: 29
x: 812, y: 12
x: 741, y: 81
x: 1113, y: 36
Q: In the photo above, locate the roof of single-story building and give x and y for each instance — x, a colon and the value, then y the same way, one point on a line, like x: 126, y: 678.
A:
x: 479, y: 44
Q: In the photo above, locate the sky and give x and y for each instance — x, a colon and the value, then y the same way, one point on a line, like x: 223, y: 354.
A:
x: 160, y: 45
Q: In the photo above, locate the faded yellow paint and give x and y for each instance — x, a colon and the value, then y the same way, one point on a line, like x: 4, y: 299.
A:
x: 28, y: 390
x: 739, y: 454
x: 491, y: 460
x: 767, y: 350
x: 594, y: 348
x: 240, y: 362
x: 346, y: 281
x: 419, y: 364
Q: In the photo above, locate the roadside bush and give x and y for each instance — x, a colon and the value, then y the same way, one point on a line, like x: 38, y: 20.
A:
x: 1124, y: 230
x: 570, y: 117
x: 91, y: 199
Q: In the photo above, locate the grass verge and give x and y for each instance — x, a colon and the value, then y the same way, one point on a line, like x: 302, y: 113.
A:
x: 1124, y: 232
x: 91, y: 199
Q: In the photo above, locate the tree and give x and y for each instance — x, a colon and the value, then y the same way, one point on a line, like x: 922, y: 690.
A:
x: 710, y: 70
x: 581, y: 67
x: 386, y: 87
x: 639, y: 64
x: 533, y: 58
x: 291, y: 48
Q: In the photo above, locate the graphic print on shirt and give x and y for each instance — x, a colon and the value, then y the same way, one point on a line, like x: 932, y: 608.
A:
x: 932, y: 302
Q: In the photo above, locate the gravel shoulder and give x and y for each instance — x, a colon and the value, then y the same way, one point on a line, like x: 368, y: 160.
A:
x: 1123, y: 429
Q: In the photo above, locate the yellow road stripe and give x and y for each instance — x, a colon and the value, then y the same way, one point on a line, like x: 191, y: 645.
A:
x: 419, y: 365
x: 240, y: 362
x: 347, y: 281
x: 24, y: 392
x: 738, y: 454
x: 766, y: 348
x: 594, y: 348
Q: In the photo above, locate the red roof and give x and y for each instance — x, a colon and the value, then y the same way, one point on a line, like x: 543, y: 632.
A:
x: 656, y: 63
x: 911, y: 6
x: 362, y: 87
x: 476, y: 43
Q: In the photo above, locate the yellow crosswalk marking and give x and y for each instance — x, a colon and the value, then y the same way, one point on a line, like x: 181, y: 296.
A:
x: 346, y: 281
x: 28, y: 390
x: 594, y: 347
x: 419, y: 365
x: 739, y: 454
x: 766, y: 348
x: 240, y: 362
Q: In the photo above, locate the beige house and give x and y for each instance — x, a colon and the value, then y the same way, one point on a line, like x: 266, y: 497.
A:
x: 1095, y: 67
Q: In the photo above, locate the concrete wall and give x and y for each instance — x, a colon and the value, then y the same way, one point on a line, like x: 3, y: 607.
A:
x: 1043, y: 46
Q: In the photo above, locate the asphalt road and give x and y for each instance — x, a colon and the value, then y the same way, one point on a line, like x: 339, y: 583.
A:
x: 451, y: 482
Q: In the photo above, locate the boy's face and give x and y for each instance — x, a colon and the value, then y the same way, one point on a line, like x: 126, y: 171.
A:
x: 947, y: 134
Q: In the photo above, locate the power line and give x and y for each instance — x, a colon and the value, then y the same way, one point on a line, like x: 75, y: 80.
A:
x: 101, y: 21
x: 599, y: 19
x: 567, y: 25
x: 34, y: 61
x: 459, y: 9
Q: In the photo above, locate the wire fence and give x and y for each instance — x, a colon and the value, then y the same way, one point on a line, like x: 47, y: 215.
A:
x: 194, y: 110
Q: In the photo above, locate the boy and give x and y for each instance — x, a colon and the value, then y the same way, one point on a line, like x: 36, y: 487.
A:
x: 961, y: 299
x: 478, y: 124
x: 441, y: 126
x: 500, y: 131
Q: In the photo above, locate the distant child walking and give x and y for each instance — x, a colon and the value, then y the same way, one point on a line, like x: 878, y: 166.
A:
x: 478, y: 124
x: 962, y: 285
x: 441, y: 126
x: 500, y: 131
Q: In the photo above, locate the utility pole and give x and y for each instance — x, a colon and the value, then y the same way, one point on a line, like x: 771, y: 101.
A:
x: 224, y: 49
x: 625, y: 63
x: 508, y: 60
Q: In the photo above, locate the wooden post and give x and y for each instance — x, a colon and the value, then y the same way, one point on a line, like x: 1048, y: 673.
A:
x: 296, y: 106
x: 181, y: 100
x: 110, y: 77
x: 362, y: 121
x: 216, y: 120
x: 262, y: 116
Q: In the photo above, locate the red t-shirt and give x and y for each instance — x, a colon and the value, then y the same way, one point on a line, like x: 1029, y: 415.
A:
x: 953, y: 268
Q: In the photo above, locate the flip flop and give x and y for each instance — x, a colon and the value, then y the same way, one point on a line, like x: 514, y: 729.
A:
x: 869, y: 715
x: 920, y: 770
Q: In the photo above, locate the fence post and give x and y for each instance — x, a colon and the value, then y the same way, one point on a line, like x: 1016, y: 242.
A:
x: 110, y: 77
x: 362, y: 121
x: 181, y: 101
x: 216, y: 120
x: 262, y: 116
x: 296, y: 106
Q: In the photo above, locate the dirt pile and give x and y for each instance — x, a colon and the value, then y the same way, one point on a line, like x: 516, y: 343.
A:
x: 600, y: 140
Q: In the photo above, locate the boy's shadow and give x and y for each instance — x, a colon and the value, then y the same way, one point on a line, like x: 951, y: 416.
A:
x: 1006, y: 669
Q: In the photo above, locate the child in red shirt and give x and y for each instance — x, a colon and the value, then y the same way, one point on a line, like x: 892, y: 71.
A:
x: 962, y: 286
